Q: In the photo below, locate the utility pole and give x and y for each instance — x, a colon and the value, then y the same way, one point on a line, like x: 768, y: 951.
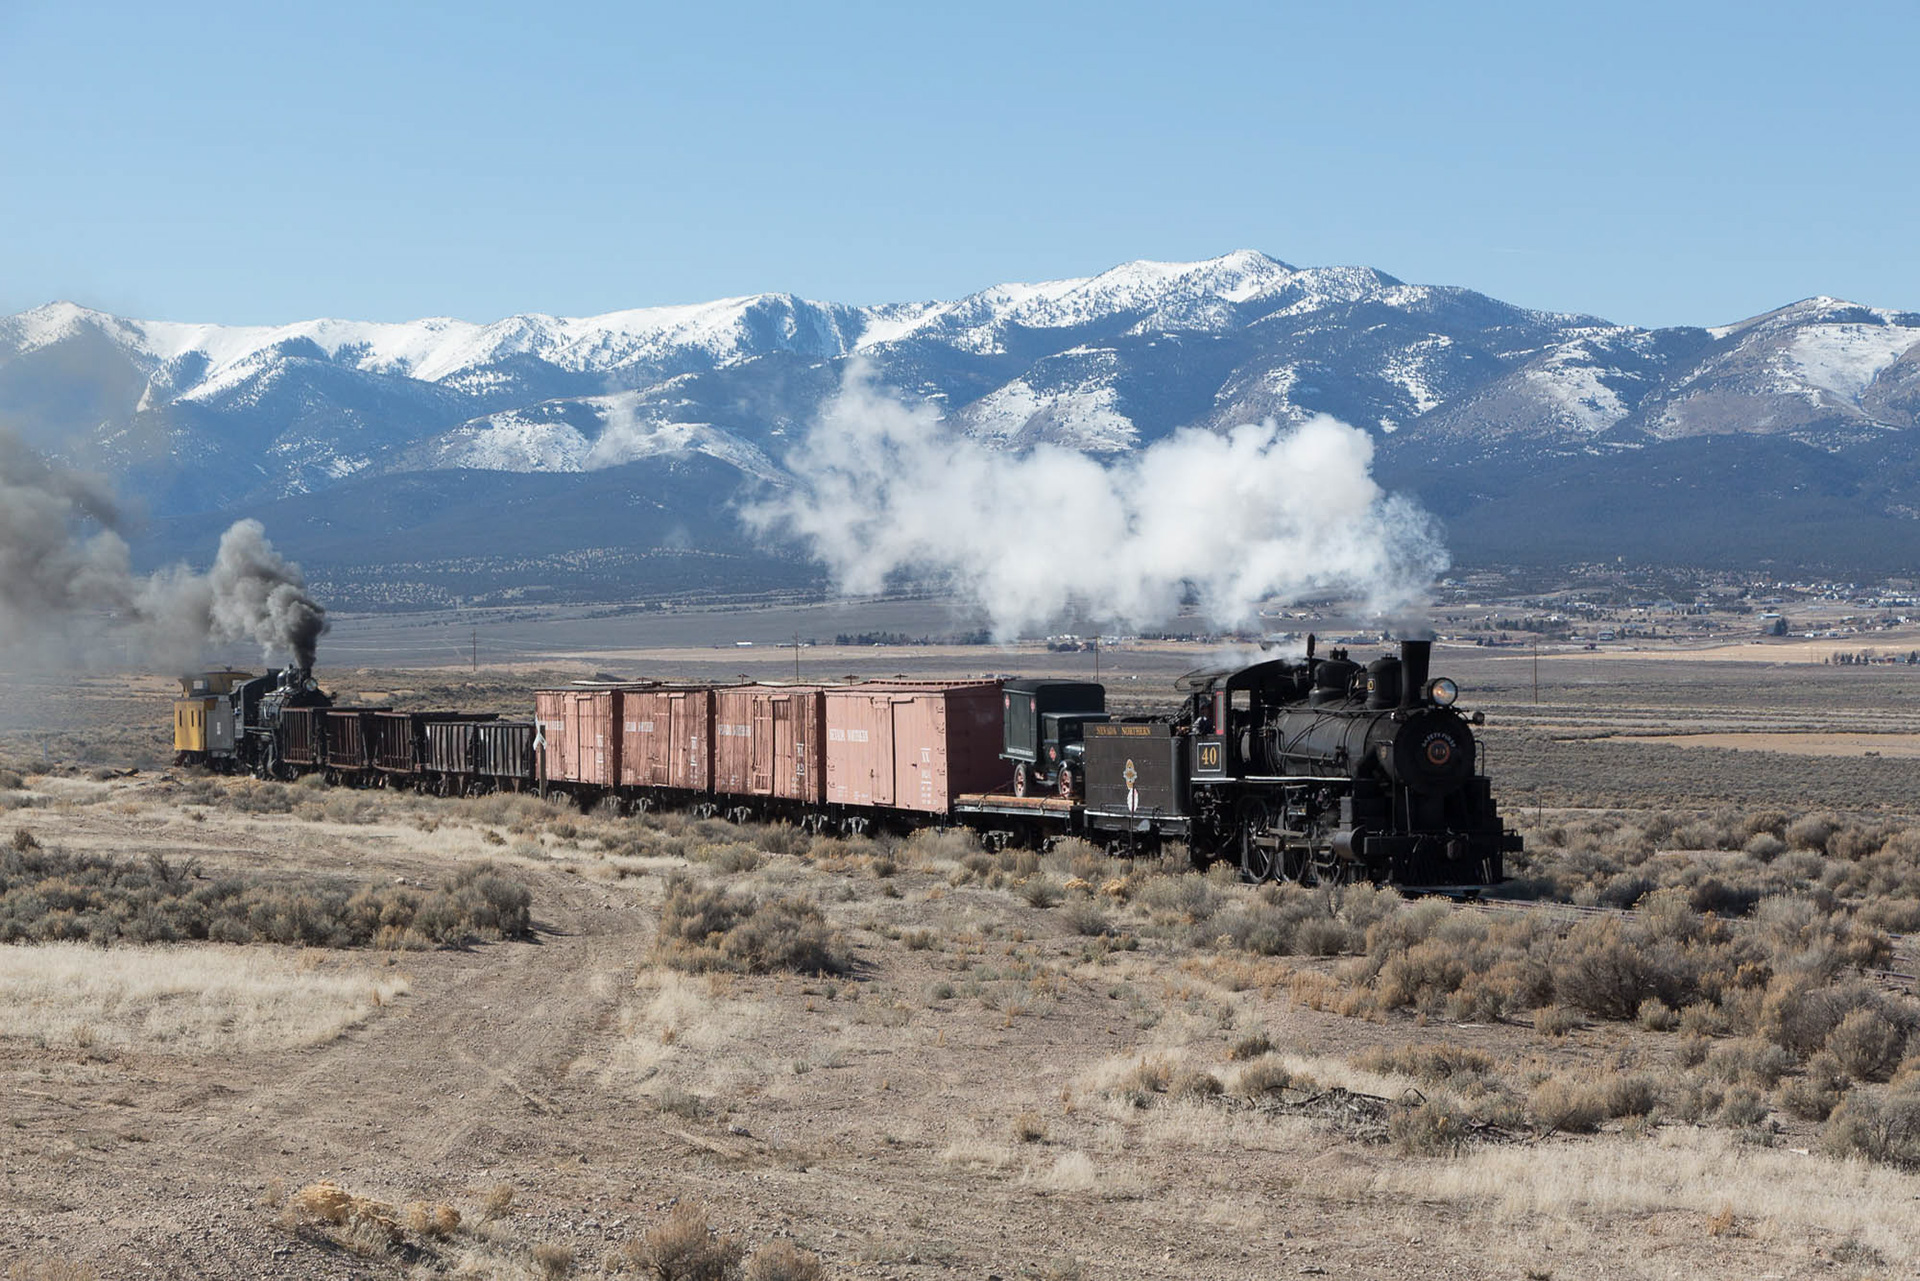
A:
x: 1096, y: 657
x: 1536, y: 671
x: 796, y: 658
x: 476, y: 651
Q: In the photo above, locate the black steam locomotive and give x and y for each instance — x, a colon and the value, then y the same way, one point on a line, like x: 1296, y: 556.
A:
x: 1312, y: 770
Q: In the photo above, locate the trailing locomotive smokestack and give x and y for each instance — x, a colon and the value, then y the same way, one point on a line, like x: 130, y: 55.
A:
x: 1416, y: 659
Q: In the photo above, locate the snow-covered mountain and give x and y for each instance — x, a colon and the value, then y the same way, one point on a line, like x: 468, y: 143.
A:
x: 198, y: 419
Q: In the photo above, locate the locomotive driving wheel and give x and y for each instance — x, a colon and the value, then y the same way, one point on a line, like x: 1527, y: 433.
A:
x: 1325, y: 867
x: 1296, y: 864
x: 1256, y: 859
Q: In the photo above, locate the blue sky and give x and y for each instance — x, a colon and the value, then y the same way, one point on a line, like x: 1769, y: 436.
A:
x: 1665, y: 163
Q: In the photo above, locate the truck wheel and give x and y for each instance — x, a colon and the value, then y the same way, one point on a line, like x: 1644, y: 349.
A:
x: 1069, y: 785
x: 1022, y: 779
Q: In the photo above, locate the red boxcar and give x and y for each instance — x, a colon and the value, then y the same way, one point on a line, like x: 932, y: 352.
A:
x: 769, y: 740
x: 582, y: 738
x: 666, y: 737
x: 912, y: 745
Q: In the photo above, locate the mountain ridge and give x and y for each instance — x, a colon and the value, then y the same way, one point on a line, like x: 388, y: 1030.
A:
x: 199, y: 420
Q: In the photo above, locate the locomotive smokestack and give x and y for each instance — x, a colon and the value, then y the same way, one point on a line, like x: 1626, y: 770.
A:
x: 1416, y: 658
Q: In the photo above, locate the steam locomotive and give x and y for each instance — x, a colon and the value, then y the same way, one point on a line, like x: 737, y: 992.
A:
x: 1318, y: 769
x: 1315, y: 769
x: 234, y: 720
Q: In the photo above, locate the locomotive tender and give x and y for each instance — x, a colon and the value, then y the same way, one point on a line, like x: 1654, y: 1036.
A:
x: 1316, y: 769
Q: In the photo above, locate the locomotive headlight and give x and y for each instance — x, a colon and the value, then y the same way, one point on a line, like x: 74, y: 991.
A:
x: 1443, y: 692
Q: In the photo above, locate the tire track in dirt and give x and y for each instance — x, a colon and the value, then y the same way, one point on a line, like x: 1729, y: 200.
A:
x: 477, y: 1048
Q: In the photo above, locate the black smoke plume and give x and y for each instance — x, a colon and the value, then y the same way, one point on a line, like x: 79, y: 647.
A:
x: 65, y: 576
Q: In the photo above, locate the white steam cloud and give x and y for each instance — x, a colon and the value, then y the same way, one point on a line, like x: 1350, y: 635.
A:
x: 60, y: 586
x: 1258, y: 513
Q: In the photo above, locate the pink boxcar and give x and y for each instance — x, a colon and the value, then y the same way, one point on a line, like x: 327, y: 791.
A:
x: 582, y: 742
x: 666, y: 737
x: 912, y: 745
x: 768, y: 740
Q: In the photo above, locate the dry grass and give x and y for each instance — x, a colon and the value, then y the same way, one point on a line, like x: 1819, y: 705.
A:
x: 498, y: 1202
x: 1430, y: 1062
x: 685, y: 1248
x: 1702, y: 1171
x: 437, y: 1220
x: 181, y: 1000
x: 53, y: 895
x: 47, y: 1267
x: 553, y: 1259
x: 708, y: 928
x: 367, y: 1227
x: 974, y: 1153
x: 782, y: 1261
x: 1069, y: 1172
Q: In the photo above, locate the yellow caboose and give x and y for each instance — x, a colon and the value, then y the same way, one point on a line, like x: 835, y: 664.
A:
x: 203, y: 728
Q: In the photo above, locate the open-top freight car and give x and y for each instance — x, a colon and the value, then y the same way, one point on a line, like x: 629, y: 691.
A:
x: 504, y: 756
x: 349, y: 746
x: 303, y: 738
x: 449, y: 750
x: 403, y: 746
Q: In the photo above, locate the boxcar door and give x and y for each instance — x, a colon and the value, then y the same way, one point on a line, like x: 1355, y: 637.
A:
x: 661, y: 738
x: 762, y: 742
x: 880, y: 755
x: 789, y: 770
x: 588, y: 750
x: 912, y: 755
x: 678, y: 748
x: 689, y: 743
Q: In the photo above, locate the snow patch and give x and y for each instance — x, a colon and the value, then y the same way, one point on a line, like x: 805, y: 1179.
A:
x: 1084, y: 418
x: 1407, y: 370
x: 513, y: 443
x: 1845, y: 359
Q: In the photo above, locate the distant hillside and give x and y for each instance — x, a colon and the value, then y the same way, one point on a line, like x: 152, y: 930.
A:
x: 465, y: 457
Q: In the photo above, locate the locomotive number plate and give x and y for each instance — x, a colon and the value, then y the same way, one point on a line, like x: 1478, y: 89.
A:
x: 1208, y: 760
